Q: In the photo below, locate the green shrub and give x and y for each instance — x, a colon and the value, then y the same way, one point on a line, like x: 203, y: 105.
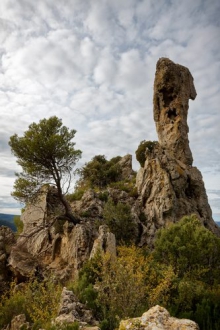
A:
x: 86, y: 214
x: 119, y: 220
x: 141, y: 150
x: 126, y: 185
x: 76, y: 196
x: 37, y: 300
x: 103, y: 196
x: 99, y: 172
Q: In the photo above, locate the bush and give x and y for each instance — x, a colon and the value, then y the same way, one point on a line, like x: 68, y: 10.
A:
x: 76, y: 196
x: 187, y: 272
x: 99, y: 172
x: 119, y: 220
x: 37, y: 300
x: 127, y: 186
x: 141, y: 150
x: 103, y: 196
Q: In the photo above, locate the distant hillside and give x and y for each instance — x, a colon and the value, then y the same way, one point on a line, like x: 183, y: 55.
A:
x: 7, y: 220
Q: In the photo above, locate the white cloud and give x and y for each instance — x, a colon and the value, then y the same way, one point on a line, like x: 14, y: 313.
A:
x: 92, y: 63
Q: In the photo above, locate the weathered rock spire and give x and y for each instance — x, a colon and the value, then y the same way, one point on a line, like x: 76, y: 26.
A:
x: 173, y: 87
x: 168, y: 185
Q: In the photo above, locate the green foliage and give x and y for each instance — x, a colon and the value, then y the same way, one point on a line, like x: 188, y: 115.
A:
x: 175, y: 244
x: 182, y: 274
x: 86, y: 214
x: 19, y: 224
x: 127, y: 186
x: 47, y: 155
x: 37, y: 300
x: 103, y: 196
x: 99, y: 172
x: 76, y: 196
x: 141, y: 150
x: 121, y: 286
x: 119, y: 220
x: 187, y: 272
x: 114, y: 287
x: 84, y: 286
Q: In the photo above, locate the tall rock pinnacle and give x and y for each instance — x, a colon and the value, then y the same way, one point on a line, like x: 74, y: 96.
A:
x: 173, y: 87
x: 168, y: 185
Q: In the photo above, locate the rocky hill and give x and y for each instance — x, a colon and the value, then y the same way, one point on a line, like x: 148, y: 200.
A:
x: 129, y: 209
x: 168, y: 187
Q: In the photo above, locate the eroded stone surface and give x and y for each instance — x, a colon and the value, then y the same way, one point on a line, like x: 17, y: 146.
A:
x: 173, y: 87
x: 105, y: 243
x: 71, y: 310
x: 157, y: 318
x: 169, y: 186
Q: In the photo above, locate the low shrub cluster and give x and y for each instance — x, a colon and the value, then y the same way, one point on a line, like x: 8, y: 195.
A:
x: 38, y: 300
x: 182, y: 274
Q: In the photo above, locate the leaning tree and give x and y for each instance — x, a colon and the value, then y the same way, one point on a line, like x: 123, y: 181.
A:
x: 47, y: 155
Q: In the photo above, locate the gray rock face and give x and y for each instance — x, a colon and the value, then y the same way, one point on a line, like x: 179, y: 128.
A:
x: 105, y: 243
x: 71, y: 310
x: 157, y: 318
x: 168, y: 185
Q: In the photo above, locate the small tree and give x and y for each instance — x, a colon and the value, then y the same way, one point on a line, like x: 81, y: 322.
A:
x: 99, y: 172
x: 141, y: 150
x: 47, y: 155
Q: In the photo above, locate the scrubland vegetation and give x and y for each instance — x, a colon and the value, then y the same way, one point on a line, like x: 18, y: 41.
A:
x: 182, y: 274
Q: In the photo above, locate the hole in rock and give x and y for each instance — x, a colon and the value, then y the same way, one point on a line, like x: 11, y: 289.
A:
x: 171, y: 113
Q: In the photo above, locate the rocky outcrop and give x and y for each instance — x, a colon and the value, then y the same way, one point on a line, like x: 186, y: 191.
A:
x: 71, y: 310
x: 105, y: 243
x: 168, y: 185
x: 126, y: 166
x: 49, y: 243
x: 157, y: 318
x: 19, y: 322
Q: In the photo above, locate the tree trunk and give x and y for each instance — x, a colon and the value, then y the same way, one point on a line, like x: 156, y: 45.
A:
x: 68, y: 210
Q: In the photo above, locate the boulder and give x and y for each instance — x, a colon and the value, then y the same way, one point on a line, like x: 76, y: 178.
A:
x: 19, y: 322
x: 71, y: 310
x: 157, y: 318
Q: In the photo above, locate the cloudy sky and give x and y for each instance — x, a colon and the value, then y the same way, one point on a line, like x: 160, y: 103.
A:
x: 92, y: 63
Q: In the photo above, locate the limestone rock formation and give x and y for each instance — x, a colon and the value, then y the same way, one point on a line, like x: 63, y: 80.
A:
x: 52, y: 244
x: 173, y: 87
x: 104, y: 243
x: 71, y: 310
x: 157, y: 318
x: 19, y: 322
x: 168, y: 185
